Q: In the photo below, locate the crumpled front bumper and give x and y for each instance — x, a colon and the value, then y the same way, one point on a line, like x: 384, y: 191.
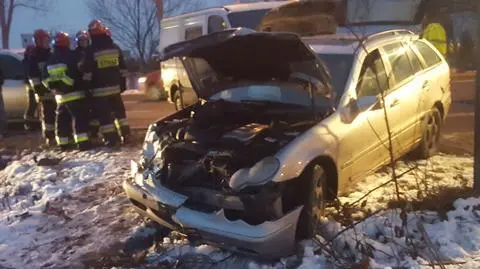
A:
x: 269, y: 240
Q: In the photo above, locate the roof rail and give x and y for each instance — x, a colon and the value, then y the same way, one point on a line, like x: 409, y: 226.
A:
x: 395, y: 32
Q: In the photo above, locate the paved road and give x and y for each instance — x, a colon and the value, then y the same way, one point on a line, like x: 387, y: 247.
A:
x: 141, y: 112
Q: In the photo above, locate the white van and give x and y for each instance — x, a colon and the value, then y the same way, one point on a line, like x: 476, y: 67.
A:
x: 192, y: 25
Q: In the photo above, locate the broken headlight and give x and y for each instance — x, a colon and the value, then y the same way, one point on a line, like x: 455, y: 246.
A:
x: 256, y: 175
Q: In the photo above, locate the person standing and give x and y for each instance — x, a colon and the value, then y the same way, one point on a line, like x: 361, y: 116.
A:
x: 102, y: 67
x: 32, y: 104
x: 119, y: 112
x: 83, y: 42
x: 435, y: 33
x: 37, y: 61
x: 65, y: 80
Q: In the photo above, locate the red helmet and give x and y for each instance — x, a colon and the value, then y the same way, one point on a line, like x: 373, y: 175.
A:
x: 62, y: 39
x: 39, y: 36
x: 82, y: 35
x: 96, y: 27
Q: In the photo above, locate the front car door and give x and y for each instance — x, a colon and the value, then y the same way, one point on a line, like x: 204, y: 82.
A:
x: 362, y: 146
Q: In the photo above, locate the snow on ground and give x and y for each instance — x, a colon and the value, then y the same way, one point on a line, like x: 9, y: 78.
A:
x: 54, y: 216
x: 75, y: 213
x: 455, y: 239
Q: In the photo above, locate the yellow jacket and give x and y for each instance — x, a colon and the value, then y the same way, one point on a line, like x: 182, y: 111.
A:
x: 436, y: 34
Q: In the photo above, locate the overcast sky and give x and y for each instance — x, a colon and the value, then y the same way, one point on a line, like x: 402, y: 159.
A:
x: 67, y: 15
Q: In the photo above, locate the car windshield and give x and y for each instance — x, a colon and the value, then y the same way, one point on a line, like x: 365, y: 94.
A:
x: 270, y: 93
x: 339, y: 66
x: 248, y: 19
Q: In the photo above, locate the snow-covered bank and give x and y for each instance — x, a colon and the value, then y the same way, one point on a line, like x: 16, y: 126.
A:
x: 54, y: 216
x: 382, y: 238
x: 75, y: 213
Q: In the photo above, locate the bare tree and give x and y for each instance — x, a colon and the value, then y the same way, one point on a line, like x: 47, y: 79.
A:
x: 135, y: 24
x: 7, y: 11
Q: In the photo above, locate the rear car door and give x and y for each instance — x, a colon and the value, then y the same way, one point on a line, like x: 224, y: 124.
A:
x: 435, y: 77
x: 14, y: 95
x: 402, y: 100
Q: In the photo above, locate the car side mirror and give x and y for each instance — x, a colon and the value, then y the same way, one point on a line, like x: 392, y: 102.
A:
x: 355, y: 107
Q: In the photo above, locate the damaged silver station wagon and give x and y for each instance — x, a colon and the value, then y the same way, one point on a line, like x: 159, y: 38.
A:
x: 250, y: 165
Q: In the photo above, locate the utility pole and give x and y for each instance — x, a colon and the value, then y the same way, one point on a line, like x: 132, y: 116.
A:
x: 476, y: 162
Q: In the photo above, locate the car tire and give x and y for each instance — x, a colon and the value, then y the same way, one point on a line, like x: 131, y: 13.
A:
x: 177, y: 101
x: 153, y: 93
x: 428, y: 146
x: 314, y: 182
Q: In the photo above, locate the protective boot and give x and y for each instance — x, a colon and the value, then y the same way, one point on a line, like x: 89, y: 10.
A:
x: 83, y: 146
x: 111, y: 140
x: 125, y: 133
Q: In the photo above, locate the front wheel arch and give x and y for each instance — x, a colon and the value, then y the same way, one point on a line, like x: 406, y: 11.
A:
x: 303, y: 186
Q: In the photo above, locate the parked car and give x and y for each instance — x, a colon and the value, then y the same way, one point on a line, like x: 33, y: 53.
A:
x: 14, y: 86
x: 192, y: 25
x: 250, y: 166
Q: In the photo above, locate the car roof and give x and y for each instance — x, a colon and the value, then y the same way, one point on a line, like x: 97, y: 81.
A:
x: 348, y: 43
x: 333, y: 44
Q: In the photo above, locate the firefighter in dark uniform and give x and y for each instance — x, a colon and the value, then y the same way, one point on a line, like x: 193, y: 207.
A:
x: 32, y: 104
x: 38, y: 59
x: 83, y: 43
x: 118, y: 107
x: 102, y: 67
x: 65, y: 80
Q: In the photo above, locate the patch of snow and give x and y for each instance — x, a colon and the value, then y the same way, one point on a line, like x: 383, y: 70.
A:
x: 54, y: 216
x: 75, y: 213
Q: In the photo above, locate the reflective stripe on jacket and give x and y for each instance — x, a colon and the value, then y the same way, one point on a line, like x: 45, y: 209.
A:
x: 64, y: 77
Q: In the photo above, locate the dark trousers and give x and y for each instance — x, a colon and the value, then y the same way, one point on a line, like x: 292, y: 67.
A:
x: 48, y: 118
x: 66, y: 113
x: 102, y: 108
x: 31, y: 108
x: 119, y: 114
x: 94, y: 123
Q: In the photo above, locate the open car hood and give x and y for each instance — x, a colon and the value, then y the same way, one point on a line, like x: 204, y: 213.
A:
x: 215, y: 61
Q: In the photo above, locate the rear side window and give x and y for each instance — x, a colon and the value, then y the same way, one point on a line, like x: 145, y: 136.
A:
x: 416, y: 64
x: 429, y: 55
x: 401, y: 67
x: 193, y: 32
x: 216, y: 23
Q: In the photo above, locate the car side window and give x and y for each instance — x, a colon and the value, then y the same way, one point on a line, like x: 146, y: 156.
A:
x: 193, y: 32
x: 216, y: 23
x: 414, y: 60
x: 429, y: 55
x: 12, y: 67
x: 401, y: 67
x: 373, y: 77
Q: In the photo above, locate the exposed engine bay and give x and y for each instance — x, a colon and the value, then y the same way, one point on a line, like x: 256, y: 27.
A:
x: 205, y: 148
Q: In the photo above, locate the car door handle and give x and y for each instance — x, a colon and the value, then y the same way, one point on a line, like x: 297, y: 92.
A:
x: 394, y: 103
